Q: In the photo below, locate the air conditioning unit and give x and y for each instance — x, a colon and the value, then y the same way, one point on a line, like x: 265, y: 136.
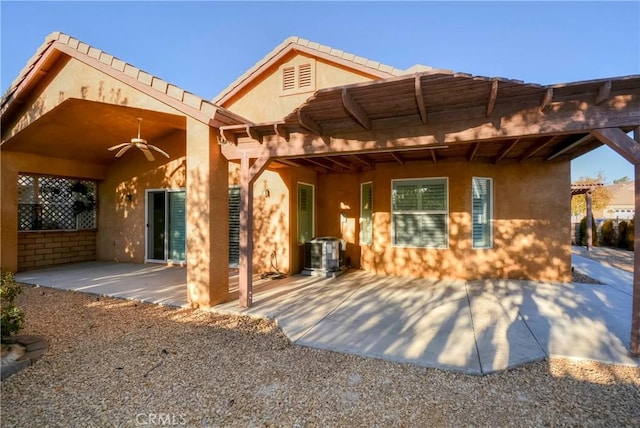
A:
x: 324, y: 256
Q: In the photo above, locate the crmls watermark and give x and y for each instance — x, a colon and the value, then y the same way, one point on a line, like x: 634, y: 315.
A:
x: 160, y: 419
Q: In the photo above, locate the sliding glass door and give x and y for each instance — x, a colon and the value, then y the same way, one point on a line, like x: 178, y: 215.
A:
x: 166, y: 225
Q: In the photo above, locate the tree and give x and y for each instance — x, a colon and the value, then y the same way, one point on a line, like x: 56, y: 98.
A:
x: 600, y: 196
x: 624, y: 179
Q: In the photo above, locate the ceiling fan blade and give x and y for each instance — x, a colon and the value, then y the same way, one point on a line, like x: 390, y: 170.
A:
x: 118, y: 146
x: 146, y: 152
x: 159, y: 150
x: 124, y: 149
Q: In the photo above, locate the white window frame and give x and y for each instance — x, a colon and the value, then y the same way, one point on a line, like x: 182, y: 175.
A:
x: 362, y: 242
x: 491, y: 216
x: 445, y: 212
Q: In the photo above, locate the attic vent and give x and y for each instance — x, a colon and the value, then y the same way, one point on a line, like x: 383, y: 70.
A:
x: 304, y: 76
x: 288, y: 78
x: 299, y: 78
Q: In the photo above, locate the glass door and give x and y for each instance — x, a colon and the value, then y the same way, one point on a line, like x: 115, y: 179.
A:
x: 166, y: 225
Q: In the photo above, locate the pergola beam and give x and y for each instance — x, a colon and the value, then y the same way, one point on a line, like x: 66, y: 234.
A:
x: 281, y: 131
x: 546, y: 100
x: 355, y: 110
x: 603, y: 93
x: 635, y: 310
x: 493, y: 96
x: 253, y: 133
x: 308, y: 123
x: 620, y: 142
x: 422, y: 108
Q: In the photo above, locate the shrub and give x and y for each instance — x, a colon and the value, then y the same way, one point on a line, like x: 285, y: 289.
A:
x: 11, y: 317
x: 608, y: 234
x: 630, y: 235
x: 583, y: 232
x: 623, y: 226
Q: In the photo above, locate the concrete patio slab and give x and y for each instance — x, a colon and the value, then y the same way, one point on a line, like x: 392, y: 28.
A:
x: 151, y: 283
x: 476, y: 327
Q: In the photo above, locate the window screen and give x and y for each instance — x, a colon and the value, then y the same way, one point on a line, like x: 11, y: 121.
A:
x: 366, y: 213
x: 481, y: 212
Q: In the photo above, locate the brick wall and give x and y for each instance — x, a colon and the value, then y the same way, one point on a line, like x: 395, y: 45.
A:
x: 41, y: 249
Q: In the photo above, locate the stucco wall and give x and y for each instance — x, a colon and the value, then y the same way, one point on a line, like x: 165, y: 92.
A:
x: 531, y: 227
x: 263, y: 99
x: 121, y: 223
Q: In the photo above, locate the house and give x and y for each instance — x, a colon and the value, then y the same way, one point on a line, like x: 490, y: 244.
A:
x: 423, y: 172
x: 622, y: 203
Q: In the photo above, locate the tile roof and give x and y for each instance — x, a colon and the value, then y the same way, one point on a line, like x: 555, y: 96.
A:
x: 296, y: 43
x: 154, y: 85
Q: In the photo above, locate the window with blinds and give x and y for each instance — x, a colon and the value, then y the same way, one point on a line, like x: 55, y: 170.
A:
x: 305, y: 212
x: 420, y: 212
x: 298, y: 78
x: 366, y: 213
x: 482, y: 212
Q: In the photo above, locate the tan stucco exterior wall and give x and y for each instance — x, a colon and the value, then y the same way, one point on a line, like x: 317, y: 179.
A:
x: 531, y: 227
x: 264, y: 101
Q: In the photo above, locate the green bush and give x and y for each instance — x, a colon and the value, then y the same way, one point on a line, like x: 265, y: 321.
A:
x: 630, y: 235
x: 11, y: 317
x: 623, y: 226
x: 583, y: 232
x: 608, y: 234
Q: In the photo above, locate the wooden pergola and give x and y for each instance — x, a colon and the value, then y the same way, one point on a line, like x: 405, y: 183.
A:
x: 438, y: 116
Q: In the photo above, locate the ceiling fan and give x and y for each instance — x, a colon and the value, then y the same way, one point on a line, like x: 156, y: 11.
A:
x: 139, y: 143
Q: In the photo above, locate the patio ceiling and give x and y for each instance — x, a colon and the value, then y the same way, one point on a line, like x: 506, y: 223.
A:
x: 466, y: 117
x: 84, y: 130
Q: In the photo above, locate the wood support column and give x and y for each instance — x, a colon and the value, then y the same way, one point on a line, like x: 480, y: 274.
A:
x: 248, y: 175
x: 635, y: 311
x: 588, y: 197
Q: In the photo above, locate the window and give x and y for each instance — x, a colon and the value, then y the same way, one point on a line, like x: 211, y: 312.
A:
x: 420, y: 212
x: 300, y: 78
x: 366, y: 214
x: 482, y: 212
x: 56, y: 203
x: 305, y: 213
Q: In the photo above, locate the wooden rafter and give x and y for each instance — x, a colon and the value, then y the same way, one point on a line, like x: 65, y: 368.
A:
x: 281, y: 131
x: 422, y: 108
x: 547, y: 99
x: 253, y: 133
x: 536, y: 148
x: 603, y: 93
x: 288, y: 162
x: 493, y: 96
x: 308, y: 123
x: 434, y: 156
x: 363, y: 161
x: 355, y: 110
x: 228, y: 137
x: 570, y: 146
x: 505, y: 151
x: 473, y: 151
x: 320, y: 164
x: 343, y: 164
x: 397, y: 158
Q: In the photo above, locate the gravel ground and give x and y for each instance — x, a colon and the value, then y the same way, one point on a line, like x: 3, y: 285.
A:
x: 119, y: 363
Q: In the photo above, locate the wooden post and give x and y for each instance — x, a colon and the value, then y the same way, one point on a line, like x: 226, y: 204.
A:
x: 588, y: 197
x: 635, y: 311
x: 248, y: 175
x: 245, y: 284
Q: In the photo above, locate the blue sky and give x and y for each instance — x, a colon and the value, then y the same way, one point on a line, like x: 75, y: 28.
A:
x: 203, y: 46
